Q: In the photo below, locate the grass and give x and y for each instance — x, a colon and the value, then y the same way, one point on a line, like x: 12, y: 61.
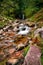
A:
x: 26, y: 50
x: 2, y: 24
x: 42, y: 60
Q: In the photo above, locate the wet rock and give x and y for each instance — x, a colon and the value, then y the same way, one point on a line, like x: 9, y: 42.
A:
x: 39, y: 31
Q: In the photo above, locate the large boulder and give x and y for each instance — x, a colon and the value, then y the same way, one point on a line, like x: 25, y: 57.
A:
x: 33, y: 56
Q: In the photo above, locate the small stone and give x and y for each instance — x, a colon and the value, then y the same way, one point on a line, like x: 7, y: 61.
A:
x: 1, y: 31
x: 12, y: 61
x: 20, y: 46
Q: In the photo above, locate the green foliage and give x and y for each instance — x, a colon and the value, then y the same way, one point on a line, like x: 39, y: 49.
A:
x: 30, y: 11
x: 38, y: 16
x: 26, y: 50
x: 19, y: 7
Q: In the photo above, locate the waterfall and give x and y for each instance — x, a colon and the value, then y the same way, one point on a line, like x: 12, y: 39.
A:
x: 23, y: 16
